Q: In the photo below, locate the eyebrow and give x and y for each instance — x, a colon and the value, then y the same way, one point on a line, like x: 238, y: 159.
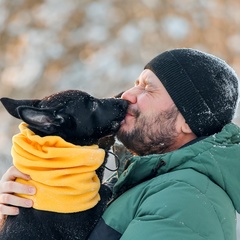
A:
x: 143, y: 80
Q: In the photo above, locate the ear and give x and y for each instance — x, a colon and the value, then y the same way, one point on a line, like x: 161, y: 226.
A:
x: 11, y: 105
x: 185, y: 128
x: 181, y: 125
x: 44, y: 120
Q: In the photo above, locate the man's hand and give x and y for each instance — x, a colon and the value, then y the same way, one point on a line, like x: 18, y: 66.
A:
x: 8, y: 187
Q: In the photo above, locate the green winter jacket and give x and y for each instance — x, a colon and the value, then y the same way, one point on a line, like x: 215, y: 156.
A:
x: 190, y: 194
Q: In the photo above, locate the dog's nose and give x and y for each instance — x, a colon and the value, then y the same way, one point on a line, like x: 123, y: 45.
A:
x: 123, y: 104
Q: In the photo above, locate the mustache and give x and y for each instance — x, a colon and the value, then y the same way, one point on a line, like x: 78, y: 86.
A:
x: 134, y: 112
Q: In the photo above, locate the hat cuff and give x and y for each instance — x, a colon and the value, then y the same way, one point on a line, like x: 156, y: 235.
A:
x: 183, y: 93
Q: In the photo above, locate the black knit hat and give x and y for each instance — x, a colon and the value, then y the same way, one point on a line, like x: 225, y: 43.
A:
x: 203, y: 87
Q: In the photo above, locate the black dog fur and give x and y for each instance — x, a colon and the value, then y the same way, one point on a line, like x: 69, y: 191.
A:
x: 80, y: 119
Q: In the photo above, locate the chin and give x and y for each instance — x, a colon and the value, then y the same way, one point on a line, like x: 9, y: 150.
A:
x: 128, y: 124
x: 125, y: 128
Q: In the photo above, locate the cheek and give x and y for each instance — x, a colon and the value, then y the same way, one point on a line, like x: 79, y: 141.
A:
x: 144, y: 103
x: 149, y: 107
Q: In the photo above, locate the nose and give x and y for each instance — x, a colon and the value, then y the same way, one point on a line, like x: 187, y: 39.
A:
x: 130, y: 95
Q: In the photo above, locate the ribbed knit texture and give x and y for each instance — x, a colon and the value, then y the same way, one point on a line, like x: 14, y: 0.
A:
x: 63, y: 173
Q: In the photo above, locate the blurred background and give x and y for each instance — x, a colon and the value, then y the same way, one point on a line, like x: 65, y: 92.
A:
x: 101, y: 46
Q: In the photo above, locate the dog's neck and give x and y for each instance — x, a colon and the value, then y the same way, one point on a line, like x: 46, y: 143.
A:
x: 56, y: 167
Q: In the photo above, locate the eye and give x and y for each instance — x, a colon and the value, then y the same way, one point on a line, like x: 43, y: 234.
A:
x: 137, y: 82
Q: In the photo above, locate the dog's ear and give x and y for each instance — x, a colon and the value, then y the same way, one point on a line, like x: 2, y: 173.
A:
x: 11, y: 105
x: 118, y: 95
x: 44, y: 120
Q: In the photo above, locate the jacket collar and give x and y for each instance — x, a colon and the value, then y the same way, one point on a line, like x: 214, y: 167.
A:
x: 215, y: 156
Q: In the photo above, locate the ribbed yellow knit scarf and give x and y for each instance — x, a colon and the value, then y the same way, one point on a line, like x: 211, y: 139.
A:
x: 63, y: 174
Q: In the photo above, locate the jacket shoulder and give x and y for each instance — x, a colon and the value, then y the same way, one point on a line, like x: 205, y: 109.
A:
x: 182, y: 200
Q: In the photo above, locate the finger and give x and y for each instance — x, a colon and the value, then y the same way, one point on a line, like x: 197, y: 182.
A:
x: 2, y: 218
x: 8, y: 210
x: 14, y: 200
x: 13, y: 173
x: 15, y: 187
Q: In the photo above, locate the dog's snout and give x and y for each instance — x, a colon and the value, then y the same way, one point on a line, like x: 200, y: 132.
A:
x: 125, y: 103
x: 121, y: 108
x: 122, y: 103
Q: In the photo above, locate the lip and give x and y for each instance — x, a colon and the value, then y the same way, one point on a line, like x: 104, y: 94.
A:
x: 122, y: 122
x: 130, y: 113
x: 128, y: 116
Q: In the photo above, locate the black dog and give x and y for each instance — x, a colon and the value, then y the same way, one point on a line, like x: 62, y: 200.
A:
x: 80, y: 119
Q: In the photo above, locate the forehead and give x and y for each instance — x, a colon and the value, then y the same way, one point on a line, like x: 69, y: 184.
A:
x: 65, y: 98
x: 148, y: 77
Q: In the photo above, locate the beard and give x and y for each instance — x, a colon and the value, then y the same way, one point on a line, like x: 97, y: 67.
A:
x: 153, y: 135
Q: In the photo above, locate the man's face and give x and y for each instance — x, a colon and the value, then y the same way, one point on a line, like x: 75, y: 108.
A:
x: 150, y: 124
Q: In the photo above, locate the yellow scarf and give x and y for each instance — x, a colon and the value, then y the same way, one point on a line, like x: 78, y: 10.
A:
x: 63, y: 174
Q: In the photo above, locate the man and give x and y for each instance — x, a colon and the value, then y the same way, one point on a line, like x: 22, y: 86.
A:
x: 183, y: 180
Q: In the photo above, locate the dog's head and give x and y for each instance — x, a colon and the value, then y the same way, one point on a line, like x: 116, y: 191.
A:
x: 73, y: 115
